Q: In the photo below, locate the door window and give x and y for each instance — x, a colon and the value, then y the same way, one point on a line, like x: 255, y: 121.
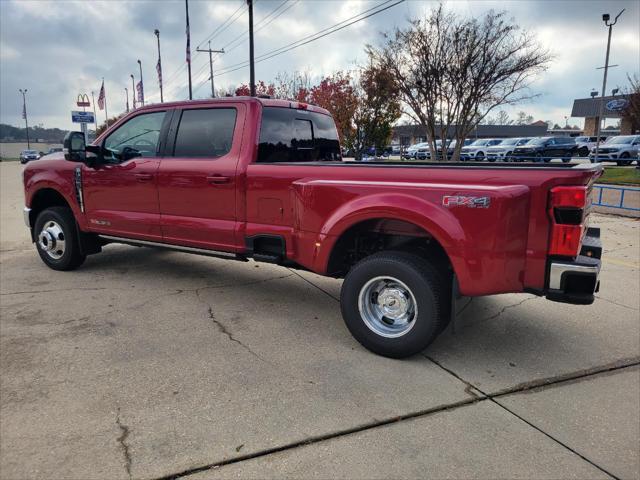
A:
x: 205, y: 133
x: 138, y: 137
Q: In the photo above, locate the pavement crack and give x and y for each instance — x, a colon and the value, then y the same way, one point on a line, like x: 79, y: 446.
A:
x: 223, y: 329
x: 314, y: 285
x: 124, y: 434
x: 55, y: 290
x: 616, y: 303
x: 507, y: 307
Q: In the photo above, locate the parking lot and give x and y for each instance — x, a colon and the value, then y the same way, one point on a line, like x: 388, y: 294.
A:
x: 154, y: 364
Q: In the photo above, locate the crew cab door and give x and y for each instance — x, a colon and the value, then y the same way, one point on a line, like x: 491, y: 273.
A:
x: 197, y: 178
x: 121, y: 193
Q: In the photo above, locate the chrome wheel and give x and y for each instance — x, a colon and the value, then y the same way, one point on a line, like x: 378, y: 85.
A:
x: 51, y: 240
x: 387, y: 307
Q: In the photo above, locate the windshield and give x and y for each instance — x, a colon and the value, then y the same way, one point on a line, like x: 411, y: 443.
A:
x: 30, y: 152
x: 510, y: 141
x: 620, y: 140
x: 582, y: 139
x: 479, y: 143
x: 538, y: 141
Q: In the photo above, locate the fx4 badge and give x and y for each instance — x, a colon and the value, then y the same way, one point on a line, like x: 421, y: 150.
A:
x: 461, y: 201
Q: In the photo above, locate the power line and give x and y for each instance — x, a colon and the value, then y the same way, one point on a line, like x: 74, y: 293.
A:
x: 311, y: 38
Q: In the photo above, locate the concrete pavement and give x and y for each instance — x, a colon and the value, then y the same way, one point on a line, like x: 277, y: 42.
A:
x: 149, y: 364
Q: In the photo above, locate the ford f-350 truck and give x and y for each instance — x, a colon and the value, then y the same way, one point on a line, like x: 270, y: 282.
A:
x: 244, y: 178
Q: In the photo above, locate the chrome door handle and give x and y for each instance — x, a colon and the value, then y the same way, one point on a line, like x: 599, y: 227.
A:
x: 218, y: 179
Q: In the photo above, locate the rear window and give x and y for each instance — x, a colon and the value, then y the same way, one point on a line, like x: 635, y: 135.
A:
x: 288, y: 135
x: 205, y: 133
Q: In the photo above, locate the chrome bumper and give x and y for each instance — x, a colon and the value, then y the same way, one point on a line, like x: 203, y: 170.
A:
x: 26, y: 212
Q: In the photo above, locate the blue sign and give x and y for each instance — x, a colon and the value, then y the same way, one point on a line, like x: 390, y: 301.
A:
x: 617, y: 104
x: 82, y: 117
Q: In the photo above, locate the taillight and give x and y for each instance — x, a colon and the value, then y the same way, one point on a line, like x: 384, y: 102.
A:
x: 566, y: 209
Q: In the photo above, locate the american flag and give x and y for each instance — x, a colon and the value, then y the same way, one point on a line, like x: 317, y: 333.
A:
x: 140, y: 90
x: 101, y: 97
x: 159, y: 70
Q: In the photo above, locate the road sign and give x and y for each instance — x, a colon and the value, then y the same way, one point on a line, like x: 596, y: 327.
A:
x: 83, y: 100
x: 617, y: 105
x: 82, y: 117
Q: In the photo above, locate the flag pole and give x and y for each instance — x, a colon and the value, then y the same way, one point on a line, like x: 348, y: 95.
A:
x: 159, y: 65
x: 106, y: 115
x: 186, y: 3
x: 95, y: 115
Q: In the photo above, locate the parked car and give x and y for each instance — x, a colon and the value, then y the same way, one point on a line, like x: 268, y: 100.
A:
x: 54, y: 150
x: 545, y: 149
x: 585, y: 144
x: 452, y: 145
x: 620, y: 149
x: 28, y: 155
x: 424, y: 152
x: 411, y: 151
x: 504, y: 149
x: 249, y: 178
x: 477, y: 150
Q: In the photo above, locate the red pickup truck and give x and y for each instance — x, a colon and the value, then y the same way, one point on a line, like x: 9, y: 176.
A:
x: 256, y: 178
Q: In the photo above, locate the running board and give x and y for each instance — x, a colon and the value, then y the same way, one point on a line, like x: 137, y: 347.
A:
x: 179, y: 248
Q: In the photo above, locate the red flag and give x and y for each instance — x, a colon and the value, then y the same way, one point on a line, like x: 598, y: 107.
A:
x: 101, y: 97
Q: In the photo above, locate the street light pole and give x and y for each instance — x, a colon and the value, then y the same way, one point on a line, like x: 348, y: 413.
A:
x: 157, y: 32
x: 605, y: 19
x: 186, y: 5
x: 141, y: 99
x: 252, y: 71
x: 24, y: 114
x: 126, y: 92
x: 133, y: 91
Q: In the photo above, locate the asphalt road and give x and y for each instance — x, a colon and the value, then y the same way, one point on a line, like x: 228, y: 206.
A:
x: 152, y: 364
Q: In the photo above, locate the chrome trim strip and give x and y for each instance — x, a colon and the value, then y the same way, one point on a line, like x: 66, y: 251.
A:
x: 133, y: 241
x: 26, y: 211
x: 557, y: 269
x: 78, y: 183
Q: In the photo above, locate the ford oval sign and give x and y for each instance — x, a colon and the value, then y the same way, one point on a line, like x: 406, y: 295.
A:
x: 617, y: 105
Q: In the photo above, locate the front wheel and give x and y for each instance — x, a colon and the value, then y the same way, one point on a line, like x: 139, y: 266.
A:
x: 56, y: 239
x: 394, y: 303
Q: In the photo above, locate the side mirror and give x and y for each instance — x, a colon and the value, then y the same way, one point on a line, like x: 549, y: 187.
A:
x: 74, y: 147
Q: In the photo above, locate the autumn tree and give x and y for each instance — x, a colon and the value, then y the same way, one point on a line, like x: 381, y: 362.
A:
x: 336, y: 94
x: 103, y: 126
x: 262, y: 88
x: 631, y: 112
x: 454, y: 71
x: 378, y: 108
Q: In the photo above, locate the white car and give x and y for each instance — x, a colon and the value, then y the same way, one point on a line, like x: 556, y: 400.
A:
x: 413, y: 149
x: 504, y: 149
x: 585, y: 144
x: 478, y: 149
x: 621, y: 149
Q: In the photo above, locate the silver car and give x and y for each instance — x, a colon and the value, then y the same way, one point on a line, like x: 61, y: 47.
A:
x: 504, y: 149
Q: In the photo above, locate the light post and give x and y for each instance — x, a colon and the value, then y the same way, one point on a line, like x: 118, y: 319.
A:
x: 126, y: 93
x: 24, y: 114
x: 95, y: 115
x: 252, y: 70
x: 159, y: 67
x: 605, y: 19
x: 141, y: 99
x: 133, y: 91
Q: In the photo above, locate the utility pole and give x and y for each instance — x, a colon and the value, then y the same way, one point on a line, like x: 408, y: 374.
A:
x: 252, y: 71
x: 24, y: 114
x: 605, y: 19
x: 186, y: 4
x: 211, y: 52
x: 141, y: 99
x: 95, y: 115
x: 126, y: 93
x: 159, y: 65
x: 133, y: 91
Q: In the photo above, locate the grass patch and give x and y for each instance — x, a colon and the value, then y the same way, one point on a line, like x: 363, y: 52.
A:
x: 9, y: 159
x: 620, y: 176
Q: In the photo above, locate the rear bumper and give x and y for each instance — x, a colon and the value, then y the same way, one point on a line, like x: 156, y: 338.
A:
x: 577, y: 281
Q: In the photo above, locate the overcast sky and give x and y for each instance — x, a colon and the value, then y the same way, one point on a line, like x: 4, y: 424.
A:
x: 57, y: 49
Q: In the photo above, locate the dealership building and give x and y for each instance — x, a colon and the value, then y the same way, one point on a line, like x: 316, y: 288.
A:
x: 589, y: 109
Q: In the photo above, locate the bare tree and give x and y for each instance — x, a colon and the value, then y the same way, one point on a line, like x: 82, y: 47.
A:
x: 524, y: 119
x: 631, y: 113
x: 455, y: 71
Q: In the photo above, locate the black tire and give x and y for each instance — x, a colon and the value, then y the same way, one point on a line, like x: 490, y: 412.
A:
x: 566, y: 159
x: 479, y: 156
x: 625, y: 159
x: 583, y: 151
x: 425, y: 283
x: 70, y: 258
